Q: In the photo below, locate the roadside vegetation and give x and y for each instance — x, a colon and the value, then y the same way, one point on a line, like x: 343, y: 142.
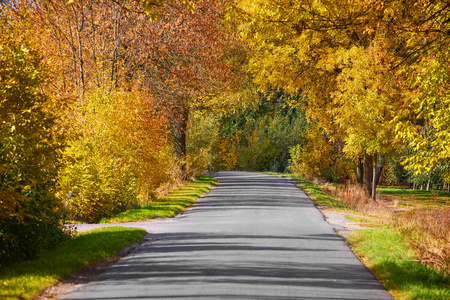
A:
x: 408, y: 251
x: 390, y: 257
x: 93, y: 125
x: 25, y: 280
x: 170, y: 205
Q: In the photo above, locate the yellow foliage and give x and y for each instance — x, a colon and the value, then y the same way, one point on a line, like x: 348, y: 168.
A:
x: 30, y: 146
x: 227, y: 152
x: 367, y: 99
x: 428, y: 134
x: 118, y: 156
x: 320, y: 157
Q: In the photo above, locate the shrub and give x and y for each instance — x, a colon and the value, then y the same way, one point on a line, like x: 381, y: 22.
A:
x: 30, y: 144
x: 202, y: 144
x: 118, y: 154
x: 356, y: 196
x: 428, y: 232
x: 320, y: 157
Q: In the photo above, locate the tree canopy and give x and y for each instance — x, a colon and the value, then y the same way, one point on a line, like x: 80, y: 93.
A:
x: 106, y: 102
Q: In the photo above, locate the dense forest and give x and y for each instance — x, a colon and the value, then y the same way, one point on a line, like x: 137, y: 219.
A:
x: 104, y: 102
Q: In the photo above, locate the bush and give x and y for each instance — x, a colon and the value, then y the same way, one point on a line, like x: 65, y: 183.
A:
x: 118, y: 154
x: 26, y: 238
x: 428, y: 232
x: 30, y: 145
x: 320, y: 157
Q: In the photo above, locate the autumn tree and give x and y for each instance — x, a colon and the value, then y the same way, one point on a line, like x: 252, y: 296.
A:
x: 30, y: 151
x: 427, y: 131
x: 351, y: 59
x: 188, y: 62
x: 127, y: 81
x: 117, y: 150
x: 293, y: 44
x: 123, y: 159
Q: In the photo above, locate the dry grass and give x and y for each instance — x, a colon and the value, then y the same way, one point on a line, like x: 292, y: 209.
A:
x: 428, y: 232
x: 426, y: 229
x: 356, y: 197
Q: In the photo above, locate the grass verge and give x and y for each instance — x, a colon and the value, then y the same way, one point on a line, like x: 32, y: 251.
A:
x: 386, y: 253
x: 26, y: 279
x: 178, y: 200
x: 316, y: 193
x: 409, y: 198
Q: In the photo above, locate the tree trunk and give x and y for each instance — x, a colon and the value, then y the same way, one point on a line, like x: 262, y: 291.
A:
x: 374, y: 178
x: 360, y: 172
x: 428, y: 183
x: 368, y: 173
x: 379, y: 171
x: 180, y: 129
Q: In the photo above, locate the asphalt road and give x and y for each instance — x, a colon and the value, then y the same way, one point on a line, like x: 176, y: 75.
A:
x: 253, y: 237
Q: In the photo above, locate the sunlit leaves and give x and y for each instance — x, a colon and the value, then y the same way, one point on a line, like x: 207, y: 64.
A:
x: 367, y: 99
x: 352, y: 60
x: 29, y: 152
x: 121, y: 157
x: 429, y: 136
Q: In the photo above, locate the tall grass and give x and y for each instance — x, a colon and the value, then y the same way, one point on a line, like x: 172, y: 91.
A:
x: 356, y: 197
x: 428, y: 232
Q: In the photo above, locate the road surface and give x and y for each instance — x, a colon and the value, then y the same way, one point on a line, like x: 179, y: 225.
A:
x: 253, y: 237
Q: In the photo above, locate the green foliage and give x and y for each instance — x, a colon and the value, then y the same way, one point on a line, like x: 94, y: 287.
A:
x: 178, y: 200
x: 202, y: 136
x: 259, y: 139
x: 387, y: 255
x: 26, y: 279
x: 30, y: 144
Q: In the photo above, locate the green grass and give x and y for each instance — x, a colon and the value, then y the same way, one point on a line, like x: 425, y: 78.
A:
x: 410, y: 198
x: 387, y: 255
x: 26, y: 279
x: 316, y: 193
x: 367, y: 221
x: 384, y: 251
x: 177, y: 201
